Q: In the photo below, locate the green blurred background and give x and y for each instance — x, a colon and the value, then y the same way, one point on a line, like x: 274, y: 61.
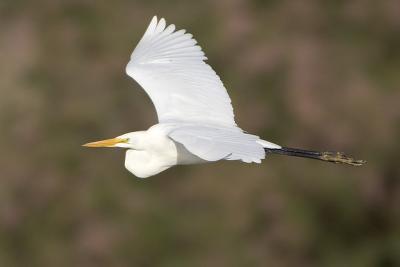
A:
x: 309, y: 74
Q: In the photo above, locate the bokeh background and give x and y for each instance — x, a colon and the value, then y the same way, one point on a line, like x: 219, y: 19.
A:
x: 309, y: 74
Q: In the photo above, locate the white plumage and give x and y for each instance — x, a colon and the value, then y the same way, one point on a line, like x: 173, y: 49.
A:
x: 196, y: 120
x: 171, y: 69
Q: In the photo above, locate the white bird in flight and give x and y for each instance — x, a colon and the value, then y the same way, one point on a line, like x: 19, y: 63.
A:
x: 196, y: 120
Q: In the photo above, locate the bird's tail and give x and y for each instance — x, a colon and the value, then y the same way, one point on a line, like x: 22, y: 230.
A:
x: 330, y: 156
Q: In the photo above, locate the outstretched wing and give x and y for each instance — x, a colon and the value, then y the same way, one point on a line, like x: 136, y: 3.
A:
x: 216, y: 143
x: 171, y: 69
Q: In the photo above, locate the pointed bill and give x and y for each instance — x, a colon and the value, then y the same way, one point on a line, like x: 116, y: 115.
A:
x: 106, y: 143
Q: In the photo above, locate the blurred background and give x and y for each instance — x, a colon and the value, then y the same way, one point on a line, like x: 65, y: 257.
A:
x: 310, y: 74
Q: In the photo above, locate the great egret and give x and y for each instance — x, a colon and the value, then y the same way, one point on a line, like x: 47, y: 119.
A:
x: 196, y: 121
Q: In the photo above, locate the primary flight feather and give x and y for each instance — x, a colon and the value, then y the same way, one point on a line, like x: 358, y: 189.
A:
x: 170, y: 67
x: 196, y: 120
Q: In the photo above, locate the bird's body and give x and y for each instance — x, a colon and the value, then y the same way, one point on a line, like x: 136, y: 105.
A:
x: 157, y: 152
x: 196, y: 120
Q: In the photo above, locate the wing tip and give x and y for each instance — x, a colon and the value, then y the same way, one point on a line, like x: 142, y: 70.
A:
x: 152, y: 26
x: 157, y: 25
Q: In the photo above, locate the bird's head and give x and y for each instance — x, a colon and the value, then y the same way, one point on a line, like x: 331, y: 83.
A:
x: 131, y: 140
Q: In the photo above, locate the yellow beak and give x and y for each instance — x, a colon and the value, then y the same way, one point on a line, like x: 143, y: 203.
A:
x: 106, y: 143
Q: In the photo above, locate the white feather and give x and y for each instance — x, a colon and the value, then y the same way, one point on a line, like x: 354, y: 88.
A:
x: 214, y: 143
x: 171, y: 69
x: 192, y: 104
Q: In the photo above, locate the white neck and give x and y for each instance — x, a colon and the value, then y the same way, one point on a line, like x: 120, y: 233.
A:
x: 136, y: 140
x: 149, y: 152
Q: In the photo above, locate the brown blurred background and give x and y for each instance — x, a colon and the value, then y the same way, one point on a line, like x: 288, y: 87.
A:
x: 309, y: 74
